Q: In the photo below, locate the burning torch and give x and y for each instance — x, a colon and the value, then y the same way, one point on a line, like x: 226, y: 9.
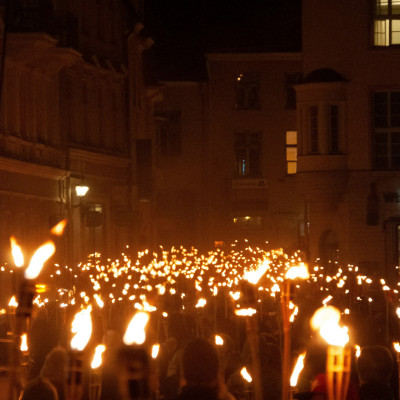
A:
x: 134, y: 360
x: 82, y: 328
x: 326, y: 320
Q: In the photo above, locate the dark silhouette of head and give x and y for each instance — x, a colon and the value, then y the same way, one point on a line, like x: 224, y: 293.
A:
x: 200, y: 363
x: 375, y: 364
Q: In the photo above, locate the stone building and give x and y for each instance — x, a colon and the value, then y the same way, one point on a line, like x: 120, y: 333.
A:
x: 72, y: 108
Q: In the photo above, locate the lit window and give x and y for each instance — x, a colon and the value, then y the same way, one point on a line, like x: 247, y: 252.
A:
x: 248, y: 154
x: 247, y: 87
x: 291, y: 152
x: 387, y: 22
x: 386, y: 130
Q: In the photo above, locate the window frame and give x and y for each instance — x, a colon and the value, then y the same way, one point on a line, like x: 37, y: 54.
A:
x: 243, y: 141
x: 291, y: 146
x: 247, y: 81
x: 387, y: 18
x: 389, y: 131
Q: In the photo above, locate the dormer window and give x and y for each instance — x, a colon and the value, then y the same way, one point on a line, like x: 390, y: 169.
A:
x: 387, y: 23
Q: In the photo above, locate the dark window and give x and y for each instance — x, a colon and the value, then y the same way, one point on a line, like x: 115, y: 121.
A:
x: 247, y: 88
x: 386, y: 23
x: 314, y: 140
x: 386, y: 130
x: 248, y: 154
x: 168, y: 133
x: 333, y: 129
x: 291, y: 79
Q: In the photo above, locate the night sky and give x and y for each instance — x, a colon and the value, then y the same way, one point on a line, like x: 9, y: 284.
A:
x: 183, y: 30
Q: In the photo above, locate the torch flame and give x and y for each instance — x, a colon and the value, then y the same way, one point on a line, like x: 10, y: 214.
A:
x: 297, y: 369
x: 245, y: 312
x: 396, y: 346
x: 358, y: 350
x: 82, y: 327
x: 13, y: 302
x: 16, y: 253
x: 154, y: 351
x: 326, y: 319
x: 299, y: 271
x: 201, y: 303
x: 254, y: 276
x: 246, y: 376
x: 24, y: 342
x: 41, y: 255
x: 97, y: 359
x: 58, y: 229
x: 218, y: 340
x: 135, y: 333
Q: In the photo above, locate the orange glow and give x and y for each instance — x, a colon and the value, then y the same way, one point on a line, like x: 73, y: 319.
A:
x: 82, y: 327
x: 245, y: 312
x: 135, y: 333
x: 246, y: 376
x: 297, y: 369
x: 16, y: 253
x: 58, y: 229
x: 41, y: 255
x: 24, y: 342
x: 97, y: 358
x: 254, y: 276
x: 300, y: 271
x: 326, y: 319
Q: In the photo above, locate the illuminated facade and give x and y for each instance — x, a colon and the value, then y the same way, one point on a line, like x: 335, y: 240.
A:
x: 73, y: 106
x: 348, y: 124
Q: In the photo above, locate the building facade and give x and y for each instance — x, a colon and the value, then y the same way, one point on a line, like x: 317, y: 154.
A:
x: 347, y: 107
x: 73, y: 110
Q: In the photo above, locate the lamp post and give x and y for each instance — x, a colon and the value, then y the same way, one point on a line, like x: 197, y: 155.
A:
x: 76, y: 194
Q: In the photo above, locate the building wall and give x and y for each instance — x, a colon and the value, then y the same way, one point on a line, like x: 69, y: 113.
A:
x: 180, y: 164
x: 270, y: 194
x: 67, y: 118
x: 338, y: 35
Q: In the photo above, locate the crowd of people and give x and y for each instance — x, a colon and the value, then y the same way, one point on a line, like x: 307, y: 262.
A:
x: 190, y: 366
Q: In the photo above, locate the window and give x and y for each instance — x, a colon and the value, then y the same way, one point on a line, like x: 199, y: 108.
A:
x: 291, y: 152
x: 291, y: 80
x: 387, y: 22
x: 333, y: 122
x: 247, y: 88
x: 248, y: 154
x: 168, y: 133
x: 314, y: 140
x: 386, y: 130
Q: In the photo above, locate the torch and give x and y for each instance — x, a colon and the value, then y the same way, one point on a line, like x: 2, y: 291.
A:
x: 25, y: 302
x: 296, y: 372
x: 95, y: 375
x: 155, y: 349
x: 82, y: 327
x: 250, y: 280
x: 295, y: 272
x: 338, y: 363
x: 134, y: 360
x: 396, y: 346
x: 248, y: 379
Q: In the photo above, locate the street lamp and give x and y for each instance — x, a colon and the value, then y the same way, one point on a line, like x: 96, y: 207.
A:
x: 81, y: 190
